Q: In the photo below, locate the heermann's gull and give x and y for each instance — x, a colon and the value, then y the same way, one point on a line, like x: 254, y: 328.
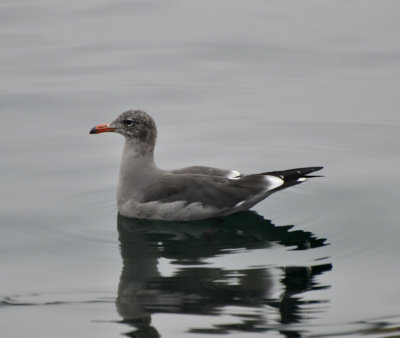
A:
x: 192, y: 193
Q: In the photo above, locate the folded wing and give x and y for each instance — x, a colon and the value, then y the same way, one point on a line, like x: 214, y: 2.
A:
x: 216, y: 191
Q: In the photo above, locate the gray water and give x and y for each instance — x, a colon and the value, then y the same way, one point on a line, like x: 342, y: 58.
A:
x: 248, y: 85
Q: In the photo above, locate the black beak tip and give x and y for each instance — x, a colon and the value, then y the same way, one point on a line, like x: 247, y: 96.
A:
x: 92, y: 131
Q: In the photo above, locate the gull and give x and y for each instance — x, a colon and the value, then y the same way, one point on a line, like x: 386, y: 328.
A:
x: 147, y: 192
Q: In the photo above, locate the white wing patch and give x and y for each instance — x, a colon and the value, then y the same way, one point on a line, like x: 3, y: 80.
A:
x: 233, y: 175
x: 273, y: 182
x: 240, y: 203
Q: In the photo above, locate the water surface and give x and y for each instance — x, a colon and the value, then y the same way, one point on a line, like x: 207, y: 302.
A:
x: 252, y: 86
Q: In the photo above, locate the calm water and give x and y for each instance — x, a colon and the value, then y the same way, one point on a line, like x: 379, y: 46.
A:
x: 247, y: 85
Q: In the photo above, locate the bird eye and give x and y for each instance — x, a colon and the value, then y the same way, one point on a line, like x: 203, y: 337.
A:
x: 127, y: 122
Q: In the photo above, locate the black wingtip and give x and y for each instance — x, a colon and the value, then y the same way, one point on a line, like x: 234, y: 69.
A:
x: 294, y: 174
x: 308, y: 170
x: 317, y: 168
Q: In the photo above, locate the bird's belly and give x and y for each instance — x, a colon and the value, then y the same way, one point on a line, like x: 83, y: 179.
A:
x: 171, y: 211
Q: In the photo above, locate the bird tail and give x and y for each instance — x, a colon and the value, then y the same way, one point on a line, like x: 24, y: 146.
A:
x: 293, y: 176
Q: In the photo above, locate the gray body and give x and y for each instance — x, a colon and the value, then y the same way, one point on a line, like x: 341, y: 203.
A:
x: 192, y: 193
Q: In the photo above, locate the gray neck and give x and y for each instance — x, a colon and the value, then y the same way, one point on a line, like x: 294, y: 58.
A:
x: 137, y: 168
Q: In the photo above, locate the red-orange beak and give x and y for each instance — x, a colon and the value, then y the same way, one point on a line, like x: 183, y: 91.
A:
x: 101, y: 128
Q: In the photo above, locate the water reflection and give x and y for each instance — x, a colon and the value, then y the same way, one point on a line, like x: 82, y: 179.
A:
x: 195, y: 287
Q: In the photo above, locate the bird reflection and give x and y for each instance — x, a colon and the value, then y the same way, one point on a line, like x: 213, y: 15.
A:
x: 194, y: 287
